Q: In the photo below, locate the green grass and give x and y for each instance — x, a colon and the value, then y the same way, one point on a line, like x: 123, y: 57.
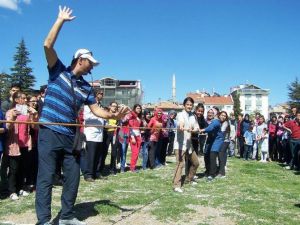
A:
x: 252, y: 193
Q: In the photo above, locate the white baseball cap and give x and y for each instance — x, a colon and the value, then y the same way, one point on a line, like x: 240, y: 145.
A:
x: 86, y: 54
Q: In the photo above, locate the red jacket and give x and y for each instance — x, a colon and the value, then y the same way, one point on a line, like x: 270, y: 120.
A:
x: 155, y: 123
x: 134, y: 123
x: 272, y: 129
x: 294, y: 126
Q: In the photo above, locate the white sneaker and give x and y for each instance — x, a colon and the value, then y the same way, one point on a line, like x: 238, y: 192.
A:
x: 210, y: 179
x: 220, y: 176
x: 126, y: 165
x: 193, y: 183
x: 73, y: 221
x: 195, y: 177
x: 23, y: 193
x: 178, y: 189
x: 14, y: 197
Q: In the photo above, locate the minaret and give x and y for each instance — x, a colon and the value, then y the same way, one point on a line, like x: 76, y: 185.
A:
x: 174, y: 89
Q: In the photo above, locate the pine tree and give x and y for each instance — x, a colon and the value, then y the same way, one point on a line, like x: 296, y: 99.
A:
x: 294, y: 94
x: 236, y: 104
x: 4, y: 86
x: 21, y: 72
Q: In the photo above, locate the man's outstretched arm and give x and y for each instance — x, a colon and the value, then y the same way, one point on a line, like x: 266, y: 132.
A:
x: 64, y: 15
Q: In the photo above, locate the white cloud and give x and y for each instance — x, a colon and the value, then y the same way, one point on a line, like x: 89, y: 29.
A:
x: 26, y: 1
x: 9, y: 4
x: 13, y: 4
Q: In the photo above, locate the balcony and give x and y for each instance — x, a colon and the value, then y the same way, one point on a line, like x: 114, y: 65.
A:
x: 254, y: 91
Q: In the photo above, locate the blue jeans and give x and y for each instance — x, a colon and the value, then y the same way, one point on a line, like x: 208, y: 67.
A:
x: 231, y: 149
x: 145, y: 147
x: 295, y: 150
x: 124, y: 153
x: 53, y: 146
x: 247, y: 151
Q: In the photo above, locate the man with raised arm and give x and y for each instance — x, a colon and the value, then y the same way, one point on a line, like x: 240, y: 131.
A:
x: 55, y: 141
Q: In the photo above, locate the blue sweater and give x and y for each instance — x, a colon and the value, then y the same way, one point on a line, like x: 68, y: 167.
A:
x: 215, y: 128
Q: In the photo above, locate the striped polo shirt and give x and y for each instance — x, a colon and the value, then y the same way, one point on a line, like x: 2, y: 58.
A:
x: 59, y: 102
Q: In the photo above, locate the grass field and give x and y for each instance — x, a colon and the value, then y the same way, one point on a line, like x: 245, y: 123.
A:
x: 252, y: 193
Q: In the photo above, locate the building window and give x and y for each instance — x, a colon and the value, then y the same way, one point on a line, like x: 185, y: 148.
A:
x: 259, y: 107
x: 125, y: 101
x: 248, y: 97
x: 109, y: 92
x: 258, y: 97
x: 247, y: 107
x: 126, y: 92
x: 109, y: 82
x: 119, y: 93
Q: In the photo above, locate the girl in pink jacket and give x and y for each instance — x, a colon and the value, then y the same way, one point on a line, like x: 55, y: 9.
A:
x: 155, y: 124
x: 18, y: 144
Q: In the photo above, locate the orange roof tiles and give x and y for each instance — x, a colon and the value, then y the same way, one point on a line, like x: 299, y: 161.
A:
x: 215, y: 100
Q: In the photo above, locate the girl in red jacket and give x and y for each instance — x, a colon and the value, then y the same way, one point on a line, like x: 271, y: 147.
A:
x: 135, y: 140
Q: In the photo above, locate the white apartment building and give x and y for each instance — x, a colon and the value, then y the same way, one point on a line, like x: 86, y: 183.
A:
x: 253, y: 99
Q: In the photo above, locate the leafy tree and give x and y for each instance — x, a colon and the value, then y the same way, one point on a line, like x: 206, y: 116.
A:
x: 294, y: 94
x: 4, y: 85
x: 236, y: 104
x: 21, y: 72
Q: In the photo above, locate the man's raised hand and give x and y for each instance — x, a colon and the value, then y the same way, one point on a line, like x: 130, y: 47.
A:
x: 122, y: 111
x: 65, y: 14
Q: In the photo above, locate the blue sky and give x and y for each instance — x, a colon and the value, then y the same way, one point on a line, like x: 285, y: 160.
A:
x: 208, y: 44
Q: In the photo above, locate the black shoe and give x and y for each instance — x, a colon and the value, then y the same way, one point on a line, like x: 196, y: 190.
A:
x: 100, y: 177
x: 89, y: 179
x: 113, y: 172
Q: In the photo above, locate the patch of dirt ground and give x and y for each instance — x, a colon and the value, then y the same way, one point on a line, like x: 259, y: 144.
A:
x: 141, y: 216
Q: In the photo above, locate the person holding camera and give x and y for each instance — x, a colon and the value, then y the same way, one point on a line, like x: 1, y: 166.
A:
x: 66, y: 92
x: 18, y: 144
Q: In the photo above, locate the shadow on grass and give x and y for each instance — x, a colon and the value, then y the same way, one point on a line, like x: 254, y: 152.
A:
x: 297, y: 205
x: 297, y: 172
x: 87, y: 209
x: 282, y: 164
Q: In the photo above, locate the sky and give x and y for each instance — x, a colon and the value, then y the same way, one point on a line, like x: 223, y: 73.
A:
x: 208, y: 44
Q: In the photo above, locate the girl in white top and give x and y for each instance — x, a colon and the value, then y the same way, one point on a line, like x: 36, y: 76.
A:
x: 187, y: 123
x: 94, y: 145
x: 264, y: 145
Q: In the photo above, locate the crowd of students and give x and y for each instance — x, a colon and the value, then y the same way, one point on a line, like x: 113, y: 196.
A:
x: 151, y: 135
x: 18, y: 142
x: 277, y: 139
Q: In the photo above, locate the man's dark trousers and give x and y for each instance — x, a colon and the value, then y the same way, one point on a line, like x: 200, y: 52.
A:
x: 52, y: 145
